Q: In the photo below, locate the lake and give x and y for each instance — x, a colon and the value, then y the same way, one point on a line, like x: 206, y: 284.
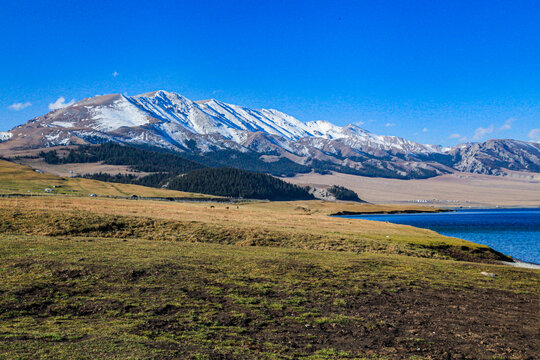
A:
x: 514, y: 232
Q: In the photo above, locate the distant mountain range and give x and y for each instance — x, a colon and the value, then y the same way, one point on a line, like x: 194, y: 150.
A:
x: 203, y: 128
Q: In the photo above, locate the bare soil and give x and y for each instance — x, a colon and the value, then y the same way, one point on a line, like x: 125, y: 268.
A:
x: 386, y: 320
x: 453, y: 190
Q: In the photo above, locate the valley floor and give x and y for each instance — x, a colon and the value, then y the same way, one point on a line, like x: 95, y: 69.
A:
x: 86, y: 278
x: 453, y: 190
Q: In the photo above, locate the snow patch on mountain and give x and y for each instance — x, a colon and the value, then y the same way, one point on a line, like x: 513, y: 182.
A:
x: 216, y: 117
x: 63, y: 124
x: 121, y: 113
x: 4, y: 135
x: 325, y: 129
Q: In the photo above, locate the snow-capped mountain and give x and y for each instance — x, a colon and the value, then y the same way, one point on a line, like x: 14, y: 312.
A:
x: 177, y: 118
x: 170, y: 120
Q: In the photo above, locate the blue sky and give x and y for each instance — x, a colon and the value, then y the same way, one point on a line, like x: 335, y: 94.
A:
x: 431, y: 71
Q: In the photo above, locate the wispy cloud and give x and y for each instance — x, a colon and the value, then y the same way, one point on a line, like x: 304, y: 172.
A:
x: 115, y: 74
x: 425, y: 130
x: 359, y: 123
x: 19, y: 106
x: 388, y: 124
x: 534, y: 135
x: 454, y: 136
x: 60, y: 103
x: 481, y: 132
x: 507, y: 124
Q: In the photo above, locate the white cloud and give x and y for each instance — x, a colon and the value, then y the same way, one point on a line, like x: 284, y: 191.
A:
x: 19, y: 106
x: 454, y: 136
x: 388, y: 124
x: 115, y: 74
x: 481, y: 132
x: 424, y: 130
x: 507, y: 124
x: 359, y: 123
x: 534, y: 135
x: 60, y: 103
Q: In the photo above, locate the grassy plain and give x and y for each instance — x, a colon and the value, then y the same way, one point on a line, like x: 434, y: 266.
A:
x: 298, y: 224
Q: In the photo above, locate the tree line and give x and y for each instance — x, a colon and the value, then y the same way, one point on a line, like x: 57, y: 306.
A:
x: 178, y: 173
x: 116, y: 154
x: 238, y: 183
x: 342, y: 193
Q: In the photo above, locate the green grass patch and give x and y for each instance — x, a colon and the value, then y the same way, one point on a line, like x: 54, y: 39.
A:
x: 69, y: 298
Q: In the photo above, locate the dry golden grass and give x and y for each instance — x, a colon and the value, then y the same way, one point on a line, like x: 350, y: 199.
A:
x: 301, y: 224
x: 19, y: 179
x: 305, y: 216
x: 304, y: 224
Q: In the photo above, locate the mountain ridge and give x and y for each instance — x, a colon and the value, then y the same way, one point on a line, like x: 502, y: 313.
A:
x: 174, y: 122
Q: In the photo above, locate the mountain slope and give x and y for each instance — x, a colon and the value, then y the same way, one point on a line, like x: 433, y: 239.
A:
x: 494, y: 156
x: 171, y: 121
x: 19, y: 179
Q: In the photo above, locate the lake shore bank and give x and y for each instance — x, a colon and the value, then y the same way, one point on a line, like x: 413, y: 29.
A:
x: 393, y: 212
x: 509, y: 231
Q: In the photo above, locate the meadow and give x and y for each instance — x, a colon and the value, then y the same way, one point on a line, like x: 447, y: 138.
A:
x: 86, y: 278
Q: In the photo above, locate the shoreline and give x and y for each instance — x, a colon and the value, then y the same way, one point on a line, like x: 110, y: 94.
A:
x: 522, y: 264
x: 514, y: 263
x: 392, y: 212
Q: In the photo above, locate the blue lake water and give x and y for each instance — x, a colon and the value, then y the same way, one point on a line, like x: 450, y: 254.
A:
x: 514, y: 232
